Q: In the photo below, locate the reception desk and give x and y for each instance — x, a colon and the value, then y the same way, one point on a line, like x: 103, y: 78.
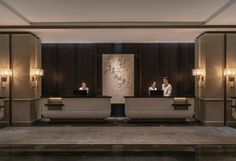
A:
x: 156, y: 107
x: 79, y: 108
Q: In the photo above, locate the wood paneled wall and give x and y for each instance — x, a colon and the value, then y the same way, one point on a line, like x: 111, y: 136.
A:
x: 67, y: 65
x: 173, y: 60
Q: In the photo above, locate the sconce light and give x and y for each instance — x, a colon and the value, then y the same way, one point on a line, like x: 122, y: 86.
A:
x: 36, y: 73
x: 199, y: 73
x: 230, y: 73
x: 4, y: 74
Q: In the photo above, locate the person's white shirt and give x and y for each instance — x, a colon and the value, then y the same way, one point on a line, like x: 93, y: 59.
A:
x: 167, y: 90
x: 151, y: 89
x: 84, y: 88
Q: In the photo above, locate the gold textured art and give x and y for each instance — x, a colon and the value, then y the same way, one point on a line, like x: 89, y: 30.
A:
x: 118, y: 76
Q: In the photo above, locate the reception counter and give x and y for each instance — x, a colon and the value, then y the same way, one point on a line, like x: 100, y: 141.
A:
x: 79, y: 108
x: 100, y: 108
x: 156, y: 107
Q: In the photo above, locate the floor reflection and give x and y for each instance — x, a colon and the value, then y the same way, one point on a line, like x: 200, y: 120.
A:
x: 116, y: 158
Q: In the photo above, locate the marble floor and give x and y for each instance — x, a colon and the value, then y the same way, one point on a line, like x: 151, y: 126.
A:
x: 117, y: 143
x: 115, y: 158
x: 117, y: 135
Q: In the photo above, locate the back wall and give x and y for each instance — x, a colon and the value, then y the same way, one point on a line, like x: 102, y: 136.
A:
x: 67, y: 65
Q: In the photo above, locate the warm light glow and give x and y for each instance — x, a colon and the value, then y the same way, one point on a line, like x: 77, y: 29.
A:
x: 198, y: 72
x: 230, y: 72
x: 37, y: 72
x: 4, y: 72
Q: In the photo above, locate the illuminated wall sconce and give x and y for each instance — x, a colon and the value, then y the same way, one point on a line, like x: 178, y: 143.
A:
x: 36, y: 73
x: 4, y: 74
x: 199, y: 73
x: 230, y: 73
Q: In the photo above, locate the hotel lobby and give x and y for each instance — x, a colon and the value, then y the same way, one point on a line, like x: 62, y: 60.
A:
x: 122, y: 80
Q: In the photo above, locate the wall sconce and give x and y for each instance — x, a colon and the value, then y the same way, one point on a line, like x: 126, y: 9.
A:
x: 199, y: 73
x: 36, y: 73
x: 4, y: 74
x: 230, y: 73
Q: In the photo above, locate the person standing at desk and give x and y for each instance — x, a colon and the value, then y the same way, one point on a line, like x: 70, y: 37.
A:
x: 84, y: 87
x: 166, y: 87
x: 152, y: 87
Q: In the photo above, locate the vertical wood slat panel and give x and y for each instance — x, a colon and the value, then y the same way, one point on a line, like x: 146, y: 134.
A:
x: 67, y: 65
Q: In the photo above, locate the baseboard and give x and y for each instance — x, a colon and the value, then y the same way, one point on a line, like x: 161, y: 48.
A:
x: 231, y: 122
x: 214, y: 123
x: 19, y: 123
x: 159, y: 120
x: 217, y: 123
x: 86, y: 120
x: 4, y: 123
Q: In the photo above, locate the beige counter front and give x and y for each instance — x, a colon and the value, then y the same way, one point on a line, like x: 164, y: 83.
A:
x: 156, y: 107
x: 79, y: 107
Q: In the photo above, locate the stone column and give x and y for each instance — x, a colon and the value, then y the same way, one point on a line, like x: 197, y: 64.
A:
x: 4, y: 63
x: 26, y: 55
x: 210, y: 95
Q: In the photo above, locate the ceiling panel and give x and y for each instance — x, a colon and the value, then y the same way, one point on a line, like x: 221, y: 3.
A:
x: 115, y: 35
x: 116, y: 10
x: 8, y: 18
x: 228, y: 17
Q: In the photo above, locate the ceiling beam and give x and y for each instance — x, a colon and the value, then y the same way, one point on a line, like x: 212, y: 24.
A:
x: 219, y: 11
x: 14, y: 11
x: 119, y: 25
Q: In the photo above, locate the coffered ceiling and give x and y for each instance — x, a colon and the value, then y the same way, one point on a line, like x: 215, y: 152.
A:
x: 61, y: 20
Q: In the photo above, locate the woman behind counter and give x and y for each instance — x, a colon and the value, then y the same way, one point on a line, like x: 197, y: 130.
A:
x: 152, y: 87
x: 84, y: 87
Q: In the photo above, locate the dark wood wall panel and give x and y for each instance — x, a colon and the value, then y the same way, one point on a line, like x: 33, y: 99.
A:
x: 66, y: 62
x: 86, y: 65
x: 149, y: 66
x: 49, y: 64
x: 168, y: 64
x: 67, y: 65
x: 174, y: 60
x: 186, y: 61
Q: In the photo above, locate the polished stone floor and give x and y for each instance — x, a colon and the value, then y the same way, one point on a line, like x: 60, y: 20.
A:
x: 118, y: 135
x: 118, y: 157
x: 117, y: 143
x: 115, y: 158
